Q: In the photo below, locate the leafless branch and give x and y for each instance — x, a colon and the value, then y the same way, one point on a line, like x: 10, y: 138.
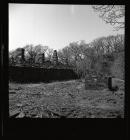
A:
x: 112, y: 14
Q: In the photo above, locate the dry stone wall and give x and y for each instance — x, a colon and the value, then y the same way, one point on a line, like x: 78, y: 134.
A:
x: 95, y: 81
x: 33, y: 74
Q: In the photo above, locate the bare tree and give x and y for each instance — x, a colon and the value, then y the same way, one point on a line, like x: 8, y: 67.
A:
x: 65, y: 55
x: 40, y: 49
x: 119, y: 44
x: 112, y: 14
x: 15, y: 56
x: 30, y: 53
x: 49, y: 53
x: 33, y: 51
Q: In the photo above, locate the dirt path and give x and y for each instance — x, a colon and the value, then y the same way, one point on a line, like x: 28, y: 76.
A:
x: 66, y: 99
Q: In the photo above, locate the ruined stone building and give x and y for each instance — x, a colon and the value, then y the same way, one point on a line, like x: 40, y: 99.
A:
x: 40, y: 60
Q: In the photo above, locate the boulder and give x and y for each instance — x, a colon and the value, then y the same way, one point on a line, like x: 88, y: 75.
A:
x: 118, y: 82
x: 115, y: 83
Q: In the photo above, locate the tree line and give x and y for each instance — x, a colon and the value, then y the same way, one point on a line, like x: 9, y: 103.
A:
x: 32, y: 54
x: 103, y: 55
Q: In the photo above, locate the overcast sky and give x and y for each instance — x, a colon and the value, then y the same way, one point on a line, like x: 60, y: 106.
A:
x: 54, y: 25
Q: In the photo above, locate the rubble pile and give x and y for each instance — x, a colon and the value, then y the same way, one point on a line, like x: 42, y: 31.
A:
x: 95, y: 80
x: 67, y: 99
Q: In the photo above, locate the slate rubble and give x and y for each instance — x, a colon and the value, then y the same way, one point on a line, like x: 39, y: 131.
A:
x: 67, y: 99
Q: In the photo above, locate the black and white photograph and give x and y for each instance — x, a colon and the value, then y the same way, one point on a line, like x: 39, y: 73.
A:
x: 66, y: 61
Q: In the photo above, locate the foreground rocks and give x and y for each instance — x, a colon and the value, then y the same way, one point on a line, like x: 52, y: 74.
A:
x: 67, y: 99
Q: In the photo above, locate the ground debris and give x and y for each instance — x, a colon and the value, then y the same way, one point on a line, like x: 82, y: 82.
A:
x: 67, y: 99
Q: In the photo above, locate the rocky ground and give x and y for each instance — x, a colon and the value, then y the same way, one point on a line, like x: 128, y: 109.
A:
x: 67, y: 99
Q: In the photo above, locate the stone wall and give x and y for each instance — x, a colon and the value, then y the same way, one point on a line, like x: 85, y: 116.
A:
x: 114, y: 83
x: 95, y: 81
x: 33, y: 74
